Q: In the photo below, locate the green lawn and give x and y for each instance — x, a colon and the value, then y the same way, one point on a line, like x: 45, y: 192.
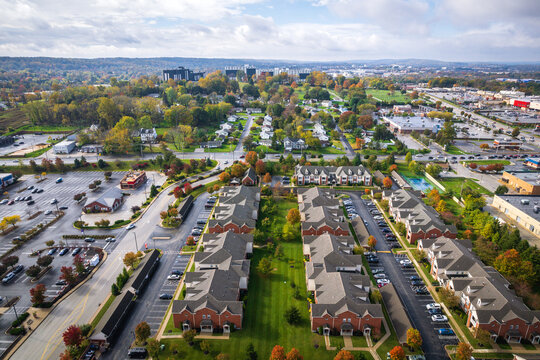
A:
x: 456, y: 183
x: 325, y: 150
x: 488, y: 162
x: 454, y: 150
x: 386, y: 96
x: 102, y: 311
x: 223, y: 148
x: 48, y: 128
x: 267, y: 150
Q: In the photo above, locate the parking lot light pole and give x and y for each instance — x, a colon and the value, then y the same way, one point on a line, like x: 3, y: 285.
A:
x: 136, y: 246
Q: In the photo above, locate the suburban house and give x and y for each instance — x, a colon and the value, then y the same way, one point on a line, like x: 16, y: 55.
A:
x: 148, y: 135
x: 484, y: 294
x: 421, y: 220
x: 236, y: 210
x: 331, y: 175
x: 268, y: 118
x: 132, y: 180
x: 109, y: 201
x: 291, y: 144
x: 320, y: 133
x: 233, y: 118
x: 266, y: 135
x: 222, y: 133
x: 212, y: 144
x: 250, y: 177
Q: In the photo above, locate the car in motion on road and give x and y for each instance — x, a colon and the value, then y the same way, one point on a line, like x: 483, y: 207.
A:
x: 439, y: 318
x: 165, y: 296
x: 89, y: 239
x: 110, y: 239
x: 130, y: 226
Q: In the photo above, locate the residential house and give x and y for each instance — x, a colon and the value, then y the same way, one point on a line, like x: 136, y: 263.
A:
x: 484, y: 294
x: 106, y: 202
x: 148, y: 135
x: 266, y: 135
x: 291, y: 144
x: 212, y: 144
x: 421, y: 220
x: 331, y: 175
x: 233, y: 118
x: 268, y: 118
x: 318, y: 220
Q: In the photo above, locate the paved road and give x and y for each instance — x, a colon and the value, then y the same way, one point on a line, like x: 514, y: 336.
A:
x: 245, y: 132
x: 433, y: 346
x: 148, y: 307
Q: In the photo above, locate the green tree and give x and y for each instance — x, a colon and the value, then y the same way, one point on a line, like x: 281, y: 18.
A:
x: 408, y: 157
x: 264, y: 267
x: 501, y: 190
x: 292, y: 315
x: 515, y: 132
x: 153, y: 348
x: 142, y: 332
x: 251, y: 354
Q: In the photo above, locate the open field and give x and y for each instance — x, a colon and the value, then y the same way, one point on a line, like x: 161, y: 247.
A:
x: 12, y: 119
x: 385, y: 96
x: 456, y: 183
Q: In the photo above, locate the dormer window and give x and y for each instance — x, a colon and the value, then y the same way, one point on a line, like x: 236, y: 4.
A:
x: 350, y: 172
x: 479, y: 302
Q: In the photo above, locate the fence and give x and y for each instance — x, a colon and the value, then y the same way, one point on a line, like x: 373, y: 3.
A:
x: 432, y: 179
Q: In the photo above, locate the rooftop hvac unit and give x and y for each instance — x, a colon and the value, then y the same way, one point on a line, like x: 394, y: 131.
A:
x: 525, y: 201
x: 536, y: 209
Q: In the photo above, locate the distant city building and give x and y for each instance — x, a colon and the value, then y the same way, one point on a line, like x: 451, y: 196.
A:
x: 181, y: 73
x: 250, y: 72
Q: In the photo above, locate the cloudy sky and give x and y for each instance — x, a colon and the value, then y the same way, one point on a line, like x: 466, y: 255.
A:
x: 457, y: 30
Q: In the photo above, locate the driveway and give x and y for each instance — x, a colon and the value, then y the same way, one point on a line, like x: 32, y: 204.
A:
x: 415, y: 305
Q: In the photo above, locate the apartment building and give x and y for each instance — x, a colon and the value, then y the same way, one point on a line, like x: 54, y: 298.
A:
x: 421, y: 220
x: 236, y: 210
x: 485, y: 295
x: 331, y: 175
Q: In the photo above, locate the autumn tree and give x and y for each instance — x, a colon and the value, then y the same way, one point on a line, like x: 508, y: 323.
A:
x: 264, y: 267
x: 68, y: 275
x: 441, y: 206
x: 448, y: 298
x: 37, y: 294
x: 392, y: 167
x: 408, y: 157
x: 260, y: 167
x: 278, y: 353
x: 397, y: 353
x: 372, y: 241
x: 251, y: 158
x: 463, y: 351
x: 224, y: 177
x: 267, y: 178
x: 293, y: 216
x: 483, y: 336
x: 189, y: 336
x: 414, y: 339
x: 142, y: 332
x: 294, y: 354
x: 12, y: 220
x: 344, y: 355
x: 79, y: 264
x: 387, y: 182
x: 152, y: 345
x: 129, y: 259
x: 72, y: 336
x: 510, y: 264
x: 359, y: 143
x: 10, y: 260
x: 237, y: 170
x: 484, y: 146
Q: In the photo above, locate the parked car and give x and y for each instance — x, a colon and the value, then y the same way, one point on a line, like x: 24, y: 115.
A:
x: 61, y: 282
x: 434, y: 311
x: 446, y: 331
x: 53, y: 201
x: 421, y: 291
x: 439, y: 318
x: 417, y: 282
x: 173, y: 277
x: 380, y: 276
x: 89, y: 240
x: 177, y: 272
x: 433, y: 306
x: 63, y: 208
x: 3, y: 202
x: 31, y: 187
x: 137, y: 353
x: 18, y: 269
x: 59, y: 180
x: 76, y: 251
x: 31, y: 202
x: 165, y: 296
x: 376, y: 271
x: 48, y: 212
x: 7, y: 279
x: 51, y: 251
x: 196, y: 232
x: 63, y: 251
x: 11, y: 202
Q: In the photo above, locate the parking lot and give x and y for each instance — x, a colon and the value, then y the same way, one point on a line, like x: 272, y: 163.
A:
x: 72, y: 183
x: 396, y: 270
x: 28, y: 143
x: 21, y: 284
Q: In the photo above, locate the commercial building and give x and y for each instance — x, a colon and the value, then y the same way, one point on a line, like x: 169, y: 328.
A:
x: 6, y: 179
x: 524, y: 210
x: 400, y: 109
x: 507, y: 144
x: 181, y: 73
x: 533, y: 163
x: 107, y: 202
x: 64, y: 147
x: 406, y: 125
x: 522, y: 183
x: 132, y: 180
x: 485, y: 296
x: 421, y: 221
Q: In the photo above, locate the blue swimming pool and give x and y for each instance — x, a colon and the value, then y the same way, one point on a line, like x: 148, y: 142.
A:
x: 419, y: 184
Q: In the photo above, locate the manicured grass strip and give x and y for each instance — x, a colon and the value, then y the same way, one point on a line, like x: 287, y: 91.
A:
x: 102, y: 311
x: 387, y: 96
x: 457, y: 183
x: 488, y: 162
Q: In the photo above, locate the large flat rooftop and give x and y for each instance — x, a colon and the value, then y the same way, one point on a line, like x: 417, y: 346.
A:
x: 525, y: 203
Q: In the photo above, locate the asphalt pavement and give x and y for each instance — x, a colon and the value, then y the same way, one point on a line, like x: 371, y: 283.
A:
x: 415, y: 305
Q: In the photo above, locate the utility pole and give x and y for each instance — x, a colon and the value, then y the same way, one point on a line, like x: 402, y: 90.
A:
x: 136, y: 246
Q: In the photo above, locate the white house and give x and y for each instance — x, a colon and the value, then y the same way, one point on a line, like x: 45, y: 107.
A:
x: 267, y: 123
x: 294, y: 144
x: 225, y: 126
x: 232, y: 118
x: 265, y: 135
x: 268, y: 118
x: 222, y: 133
x: 326, y: 103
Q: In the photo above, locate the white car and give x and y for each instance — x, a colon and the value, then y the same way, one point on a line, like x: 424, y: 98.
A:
x: 433, y: 306
x: 380, y: 276
x: 405, y: 261
x: 439, y: 318
x: 173, y: 277
x: 48, y: 212
x: 130, y: 226
x: 383, y: 281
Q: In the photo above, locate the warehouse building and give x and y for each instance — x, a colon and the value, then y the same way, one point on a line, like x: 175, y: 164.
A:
x: 524, y: 210
x: 64, y: 147
x: 523, y: 183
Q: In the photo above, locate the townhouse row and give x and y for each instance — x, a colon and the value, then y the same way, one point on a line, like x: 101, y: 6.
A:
x: 484, y: 294
x: 331, y: 175
x: 341, y: 302
x: 213, y: 294
x: 421, y: 221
